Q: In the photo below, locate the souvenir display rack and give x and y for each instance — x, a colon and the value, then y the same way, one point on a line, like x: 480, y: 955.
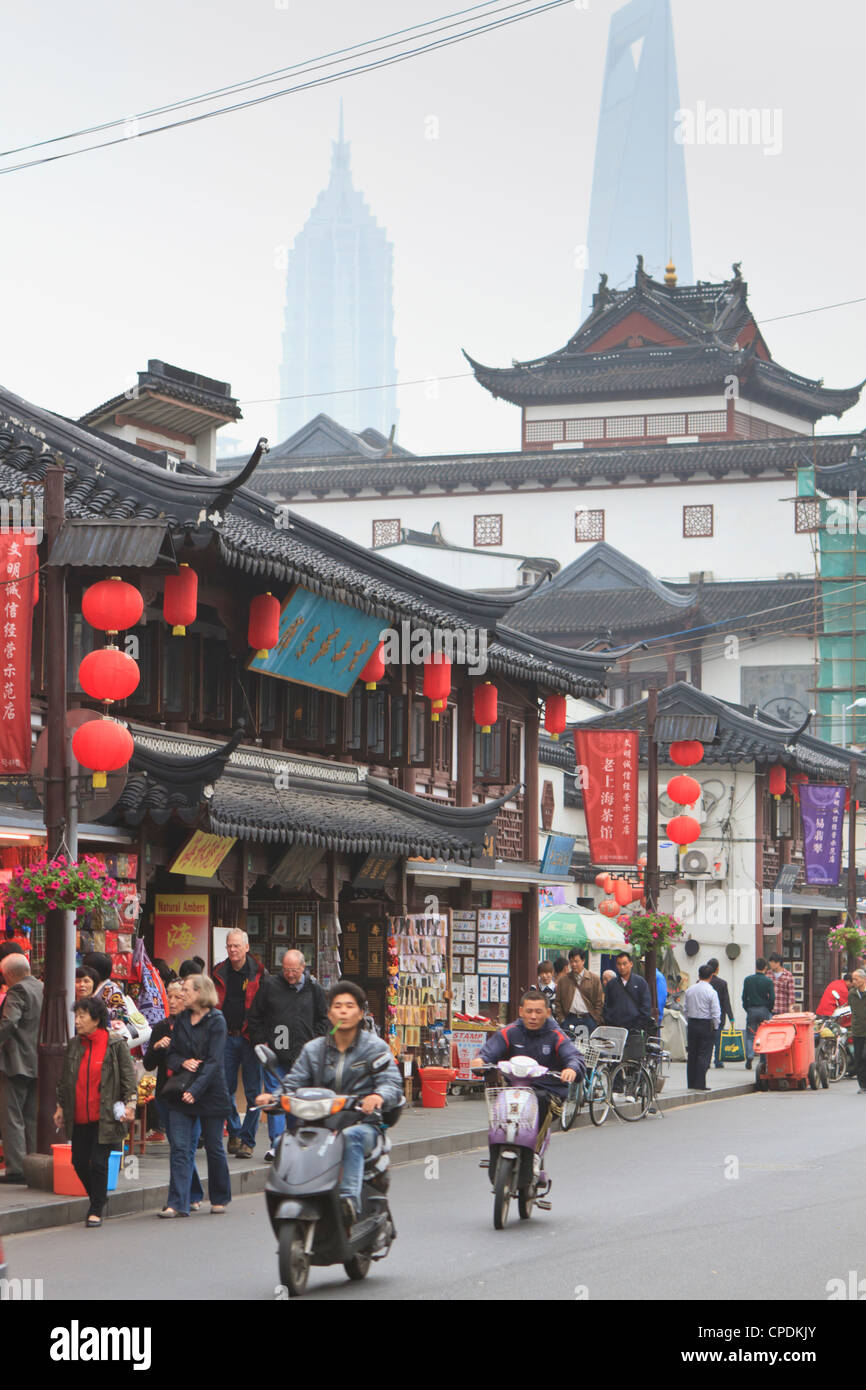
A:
x: 420, y: 953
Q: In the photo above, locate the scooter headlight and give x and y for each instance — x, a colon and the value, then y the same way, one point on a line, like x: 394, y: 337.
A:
x: 309, y: 1109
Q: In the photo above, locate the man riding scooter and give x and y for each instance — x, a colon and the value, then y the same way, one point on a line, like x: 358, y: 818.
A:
x: 536, y: 1035
x: 341, y: 1061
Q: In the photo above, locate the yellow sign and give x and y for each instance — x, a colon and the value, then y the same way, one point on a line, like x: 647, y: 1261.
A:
x: 202, y: 854
x: 180, y: 927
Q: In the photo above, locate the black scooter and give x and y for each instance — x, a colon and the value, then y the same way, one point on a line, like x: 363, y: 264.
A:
x: 303, y: 1187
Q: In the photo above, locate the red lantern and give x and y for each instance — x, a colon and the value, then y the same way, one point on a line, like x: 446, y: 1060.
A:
x: 687, y: 752
x: 641, y: 863
x: 607, y: 883
x: 685, y: 791
x: 102, y: 745
x: 622, y: 891
x: 108, y: 674
x: 112, y: 605
x: 263, y: 628
x: 437, y: 678
x: 485, y: 706
x: 778, y: 780
x: 638, y: 895
x: 601, y: 880
x: 609, y: 908
x: 180, y: 600
x: 683, y: 830
x: 375, y: 668
x: 554, y: 715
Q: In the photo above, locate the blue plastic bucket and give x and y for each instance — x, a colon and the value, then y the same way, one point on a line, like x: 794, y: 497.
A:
x: 113, y: 1169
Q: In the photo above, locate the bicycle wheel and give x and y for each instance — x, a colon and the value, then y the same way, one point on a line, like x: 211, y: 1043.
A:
x: 598, y: 1089
x: 506, y: 1172
x: 838, y: 1062
x: 570, y: 1106
x: 631, y: 1091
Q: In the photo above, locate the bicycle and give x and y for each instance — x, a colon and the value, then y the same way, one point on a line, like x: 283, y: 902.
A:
x: 602, y: 1052
x: 635, y: 1084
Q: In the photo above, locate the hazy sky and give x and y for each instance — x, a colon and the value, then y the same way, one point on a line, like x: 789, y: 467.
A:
x: 174, y: 246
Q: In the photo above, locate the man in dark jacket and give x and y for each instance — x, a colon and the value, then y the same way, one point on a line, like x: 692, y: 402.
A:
x: 627, y: 1004
x: 536, y: 1035
x: 288, y: 1011
x: 237, y: 979
x: 726, y: 1012
x: 857, y: 1005
x: 759, y: 998
x: 19, y: 1030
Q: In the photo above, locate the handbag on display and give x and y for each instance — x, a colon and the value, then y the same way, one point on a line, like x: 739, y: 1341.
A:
x: 732, y: 1045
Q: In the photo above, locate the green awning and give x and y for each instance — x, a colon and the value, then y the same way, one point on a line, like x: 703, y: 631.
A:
x: 573, y: 926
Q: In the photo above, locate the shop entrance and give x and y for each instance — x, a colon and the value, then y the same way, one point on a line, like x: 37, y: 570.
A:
x: 363, y: 952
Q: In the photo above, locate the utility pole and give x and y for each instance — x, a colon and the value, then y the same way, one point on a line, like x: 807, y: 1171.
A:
x: 651, y: 877
x: 53, y: 1026
x: 852, y: 851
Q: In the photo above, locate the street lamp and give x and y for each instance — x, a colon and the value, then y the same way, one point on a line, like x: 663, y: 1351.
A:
x: 858, y: 704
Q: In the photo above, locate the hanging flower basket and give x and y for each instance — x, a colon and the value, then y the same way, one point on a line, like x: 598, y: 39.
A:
x: 62, y: 884
x: 847, y: 938
x: 652, y: 932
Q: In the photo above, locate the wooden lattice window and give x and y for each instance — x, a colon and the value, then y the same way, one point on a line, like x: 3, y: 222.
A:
x: 543, y: 431
x: 807, y: 514
x: 488, y: 530
x: 588, y: 525
x: 698, y: 521
x: 386, y: 532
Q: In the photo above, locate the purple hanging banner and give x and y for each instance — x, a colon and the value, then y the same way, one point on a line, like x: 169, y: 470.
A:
x: 823, y: 811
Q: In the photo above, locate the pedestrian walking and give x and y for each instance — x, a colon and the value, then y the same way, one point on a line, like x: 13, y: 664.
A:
x: 237, y: 979
x: 546, y: 983
x: 857, y: 1005
x: 194, y: 966
x: 579, y: 996
x: 759, y: 997
x: 783, y: 986
x: 96, y: 1098
x: 703, y: 1014
x: 627, y: 1004
x: 835, y: 996
x: 288, y: 1011
x: 721, y: 988
x: 196, y: 1097
x: 156, y: 1059
x: 19, y: 1033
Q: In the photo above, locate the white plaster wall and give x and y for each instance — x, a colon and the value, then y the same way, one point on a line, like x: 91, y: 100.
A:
x: 485, y: 568
x: 754, y: 535
x: 720, y: 674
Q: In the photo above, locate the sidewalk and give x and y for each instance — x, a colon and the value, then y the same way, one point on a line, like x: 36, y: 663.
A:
x: 460, y: 1127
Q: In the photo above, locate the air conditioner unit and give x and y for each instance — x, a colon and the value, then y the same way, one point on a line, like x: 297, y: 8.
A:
x: 696, y: 863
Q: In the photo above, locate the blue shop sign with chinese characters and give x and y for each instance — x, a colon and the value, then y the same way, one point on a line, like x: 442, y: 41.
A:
x: 322, y: 643
x: 557, y: 854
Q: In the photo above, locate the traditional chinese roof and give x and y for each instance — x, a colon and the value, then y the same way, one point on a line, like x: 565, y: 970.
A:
x: 658, y: 339
x: 445, y: 475
x: 324, y: 438
x: 159, y: 387
x: 741, y: 735
x: 104, y: 481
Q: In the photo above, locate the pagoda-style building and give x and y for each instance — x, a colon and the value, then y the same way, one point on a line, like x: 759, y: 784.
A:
x: 661, y: 363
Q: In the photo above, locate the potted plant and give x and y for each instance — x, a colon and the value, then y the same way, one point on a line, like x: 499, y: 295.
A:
x: 66, y: 885
x: 652, y: 931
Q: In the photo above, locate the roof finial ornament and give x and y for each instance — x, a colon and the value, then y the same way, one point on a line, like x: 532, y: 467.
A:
x: 641, y: 279
x: 671, y: 274
x: 738, y: 283
x: 603, y: 295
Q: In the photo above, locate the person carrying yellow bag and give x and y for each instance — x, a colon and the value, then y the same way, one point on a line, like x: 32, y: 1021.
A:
x: 721, y: 988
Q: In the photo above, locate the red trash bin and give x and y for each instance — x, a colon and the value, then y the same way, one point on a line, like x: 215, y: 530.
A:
x: 434, y: 1086
x: 786, y: 1043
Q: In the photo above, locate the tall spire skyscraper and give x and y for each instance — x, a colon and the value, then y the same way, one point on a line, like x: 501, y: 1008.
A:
x: 639, y: 200
x: 339, y: 321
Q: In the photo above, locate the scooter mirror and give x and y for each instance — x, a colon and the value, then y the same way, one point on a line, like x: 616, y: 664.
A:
x: 266, y: 1056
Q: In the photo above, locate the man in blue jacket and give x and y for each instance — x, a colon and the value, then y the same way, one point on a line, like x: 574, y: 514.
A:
x: 627, y: 1004
x: 535, y: 1035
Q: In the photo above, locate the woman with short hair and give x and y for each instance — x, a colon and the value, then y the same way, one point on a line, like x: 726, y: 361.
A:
x: 201, y: 1099
x: 96, y: 1098
x: 86, y: 981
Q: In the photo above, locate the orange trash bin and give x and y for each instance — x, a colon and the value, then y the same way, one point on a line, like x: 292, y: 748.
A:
x: 434, y: 1086
x: 786, y: 1046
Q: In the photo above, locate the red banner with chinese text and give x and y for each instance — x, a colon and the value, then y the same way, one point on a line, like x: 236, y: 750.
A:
x: 607, y: 762
x: 19, y: 567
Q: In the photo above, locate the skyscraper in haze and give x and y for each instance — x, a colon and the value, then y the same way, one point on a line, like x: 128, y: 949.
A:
x: 639, y: 201
x: 339, y: 322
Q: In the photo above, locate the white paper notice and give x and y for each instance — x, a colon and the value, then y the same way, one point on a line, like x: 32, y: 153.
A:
x: 470, y: 994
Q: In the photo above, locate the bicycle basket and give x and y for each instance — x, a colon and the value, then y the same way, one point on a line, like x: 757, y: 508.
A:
x: 511, y: 1104
x: 606, y: 1045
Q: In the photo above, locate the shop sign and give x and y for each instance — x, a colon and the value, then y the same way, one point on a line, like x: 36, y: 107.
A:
x: 181, y: 923
x: 374, y: 871
x: 202, y: 854
x: 822, y: 807
x: 18, y: 570
x: 513, y: 902
x: 467, y: 1044
x: 609, y: 758
x: 322, y: 643
x: 557, y: 855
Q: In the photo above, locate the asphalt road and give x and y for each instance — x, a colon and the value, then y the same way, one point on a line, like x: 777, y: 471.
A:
x: 755, y: 1197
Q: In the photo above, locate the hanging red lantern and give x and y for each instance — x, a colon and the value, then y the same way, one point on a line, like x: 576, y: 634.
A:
x: 485, y: 706
x: 685, y: 791
x: 607, y: 883
x: 687, y: 752
x: 622, y: 891
x: 112, y: 605
x: 437, y: 677
x: 683, y: 830
x: 374, y: 669
x: 777, y: 780
x: 555, y: 715
x: 108, y: 674
x: 180, y: 600
x: 263, y: 628
x: 601, y: 880
x: 609, y: 908
x: 638, y: 895
x: 102, y: 745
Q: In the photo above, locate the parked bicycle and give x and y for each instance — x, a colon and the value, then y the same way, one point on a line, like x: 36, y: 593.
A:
x: 603, y: 1052
x: 635, y: 1084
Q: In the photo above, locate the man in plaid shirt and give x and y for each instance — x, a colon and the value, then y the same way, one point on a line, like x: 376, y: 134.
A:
x: 783, y: 983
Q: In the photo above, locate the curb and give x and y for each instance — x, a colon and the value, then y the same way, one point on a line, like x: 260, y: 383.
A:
x: 244, y: 1182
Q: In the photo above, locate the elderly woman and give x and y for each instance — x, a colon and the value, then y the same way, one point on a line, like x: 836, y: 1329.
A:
x: 195, y: 1096
x: 86, y: 982
x: 95, y: 1099
x: 155, y: 1059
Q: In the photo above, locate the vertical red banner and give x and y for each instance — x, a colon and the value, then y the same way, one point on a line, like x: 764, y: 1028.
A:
x: 607, y: 761
x: 19, y: 567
